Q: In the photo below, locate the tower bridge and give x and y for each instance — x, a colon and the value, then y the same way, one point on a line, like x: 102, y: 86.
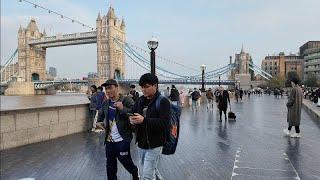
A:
x: 110, y: 37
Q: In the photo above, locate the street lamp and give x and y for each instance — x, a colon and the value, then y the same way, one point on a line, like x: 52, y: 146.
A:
x: 203, y: 68
x: 152, y: 45
x: 219, y: 79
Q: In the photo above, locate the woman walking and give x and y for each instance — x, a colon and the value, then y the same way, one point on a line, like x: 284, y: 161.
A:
x: 294, y: 105
x: 223, y: 100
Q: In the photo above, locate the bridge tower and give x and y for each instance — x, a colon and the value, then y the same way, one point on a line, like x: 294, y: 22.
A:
x: 31, y: 59
x: 110, y: 57
x: 242, y: 73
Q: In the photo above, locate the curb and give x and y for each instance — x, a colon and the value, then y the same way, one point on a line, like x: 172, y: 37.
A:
x: 311, y: 110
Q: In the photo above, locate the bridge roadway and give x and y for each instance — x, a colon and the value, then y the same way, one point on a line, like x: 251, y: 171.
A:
x: 252, y: 147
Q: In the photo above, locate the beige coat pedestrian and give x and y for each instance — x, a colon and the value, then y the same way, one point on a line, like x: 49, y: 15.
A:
x: 294, y: 106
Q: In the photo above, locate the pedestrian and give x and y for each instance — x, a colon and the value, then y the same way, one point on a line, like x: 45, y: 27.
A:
x: 223, y: 101
x: 93, y: 111
x: 167, y: 92
x: 209, y: 95
x: 182, y: 98
x: 236, y: 94
x: 113, y: 117
x: 241, y: 94
x: 195, y: 96
x: 150, y: 123
x: 133, y: 93
x: 174, y: 95
x: 294, y: 105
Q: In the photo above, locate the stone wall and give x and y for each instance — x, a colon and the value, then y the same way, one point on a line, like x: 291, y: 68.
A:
x: 21, y: 127
x: 20, y: 88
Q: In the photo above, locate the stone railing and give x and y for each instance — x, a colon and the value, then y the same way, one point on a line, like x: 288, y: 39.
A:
x: 21, y: 127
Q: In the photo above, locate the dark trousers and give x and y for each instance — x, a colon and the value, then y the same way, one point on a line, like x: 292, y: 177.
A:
x: 225, y: 113
x: 120, y: 150
x: 296, y: 127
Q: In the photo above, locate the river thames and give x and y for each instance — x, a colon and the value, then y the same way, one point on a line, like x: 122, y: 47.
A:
x: 38, y: 101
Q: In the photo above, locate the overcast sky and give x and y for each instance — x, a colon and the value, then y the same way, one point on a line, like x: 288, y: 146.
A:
x: 191, y: 32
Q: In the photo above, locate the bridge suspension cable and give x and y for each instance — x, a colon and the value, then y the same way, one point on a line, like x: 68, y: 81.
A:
x: 258, y: 70
x: 163, y: 58
x: 146, y: 61
x: 56, y: 13
x: 143, y: 63
x: 10, y: 58
x: 8, y: 70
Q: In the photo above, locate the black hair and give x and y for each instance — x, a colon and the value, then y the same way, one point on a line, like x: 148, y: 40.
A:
x: 100, y: 88
x: 94, y: 87
x: 295, y: 80
x: 148, y: 78
x: 132, y: 86
x: 110, y: 82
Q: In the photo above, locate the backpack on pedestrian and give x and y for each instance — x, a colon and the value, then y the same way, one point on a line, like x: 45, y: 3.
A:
x: 172, y: 131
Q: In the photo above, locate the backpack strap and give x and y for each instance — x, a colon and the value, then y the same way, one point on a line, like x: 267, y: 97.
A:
x: 158, y: 100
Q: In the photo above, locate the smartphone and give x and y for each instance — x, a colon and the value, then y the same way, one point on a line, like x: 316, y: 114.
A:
x: 130, y: 114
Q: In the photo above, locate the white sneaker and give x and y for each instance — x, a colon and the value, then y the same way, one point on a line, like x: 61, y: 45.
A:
x: 298, y: 135
x: 286, y: 132
x: 293, y: 135
x: 93, y: 129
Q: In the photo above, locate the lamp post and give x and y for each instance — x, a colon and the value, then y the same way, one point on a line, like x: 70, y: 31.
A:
x: 219, y: 79
x: 152, y: 45
x: 203, y: 68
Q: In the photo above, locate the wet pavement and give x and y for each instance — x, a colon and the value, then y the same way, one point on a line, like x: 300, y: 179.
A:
x: 253, y: 147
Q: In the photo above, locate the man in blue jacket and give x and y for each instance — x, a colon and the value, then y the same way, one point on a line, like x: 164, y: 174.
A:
x: 113, y: 117
x: 150, y: 123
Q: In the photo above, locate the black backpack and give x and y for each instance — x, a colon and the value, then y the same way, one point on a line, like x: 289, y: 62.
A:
x: 172, y: 131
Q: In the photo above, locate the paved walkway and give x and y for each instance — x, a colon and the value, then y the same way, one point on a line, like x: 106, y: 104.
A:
x: 253, y: 147
x: 313, y: 109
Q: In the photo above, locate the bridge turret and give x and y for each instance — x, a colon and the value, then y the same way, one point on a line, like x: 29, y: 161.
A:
x: 32, y: 29
x: 20, y: 29
x: 123, y: 25
x: 99, y: 17
x: 44, y: 34
x: 111, y: 17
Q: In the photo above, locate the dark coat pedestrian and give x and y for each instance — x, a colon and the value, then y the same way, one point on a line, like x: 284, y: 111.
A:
x: 223, y: 100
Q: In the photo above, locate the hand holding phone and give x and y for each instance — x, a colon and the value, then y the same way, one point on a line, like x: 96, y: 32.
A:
x: 130, y: 114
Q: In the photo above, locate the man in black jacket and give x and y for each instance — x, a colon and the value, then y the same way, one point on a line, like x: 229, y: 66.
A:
x: 150, y: 123
x: 113, y: 117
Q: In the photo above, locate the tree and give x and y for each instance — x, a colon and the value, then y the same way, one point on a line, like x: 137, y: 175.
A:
x: 276, y: 82
x: 290, y: 75
x: 311, y: 81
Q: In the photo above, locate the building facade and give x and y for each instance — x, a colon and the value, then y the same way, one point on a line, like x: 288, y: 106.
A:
x: 53, y: 72
x: 280, y: 65
x: 310, y: 52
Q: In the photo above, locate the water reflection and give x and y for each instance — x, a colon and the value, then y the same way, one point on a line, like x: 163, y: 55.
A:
x: 293, y: 152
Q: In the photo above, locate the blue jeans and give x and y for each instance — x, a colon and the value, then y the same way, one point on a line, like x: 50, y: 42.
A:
x: 120, y: 150
x: 149, y: 159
